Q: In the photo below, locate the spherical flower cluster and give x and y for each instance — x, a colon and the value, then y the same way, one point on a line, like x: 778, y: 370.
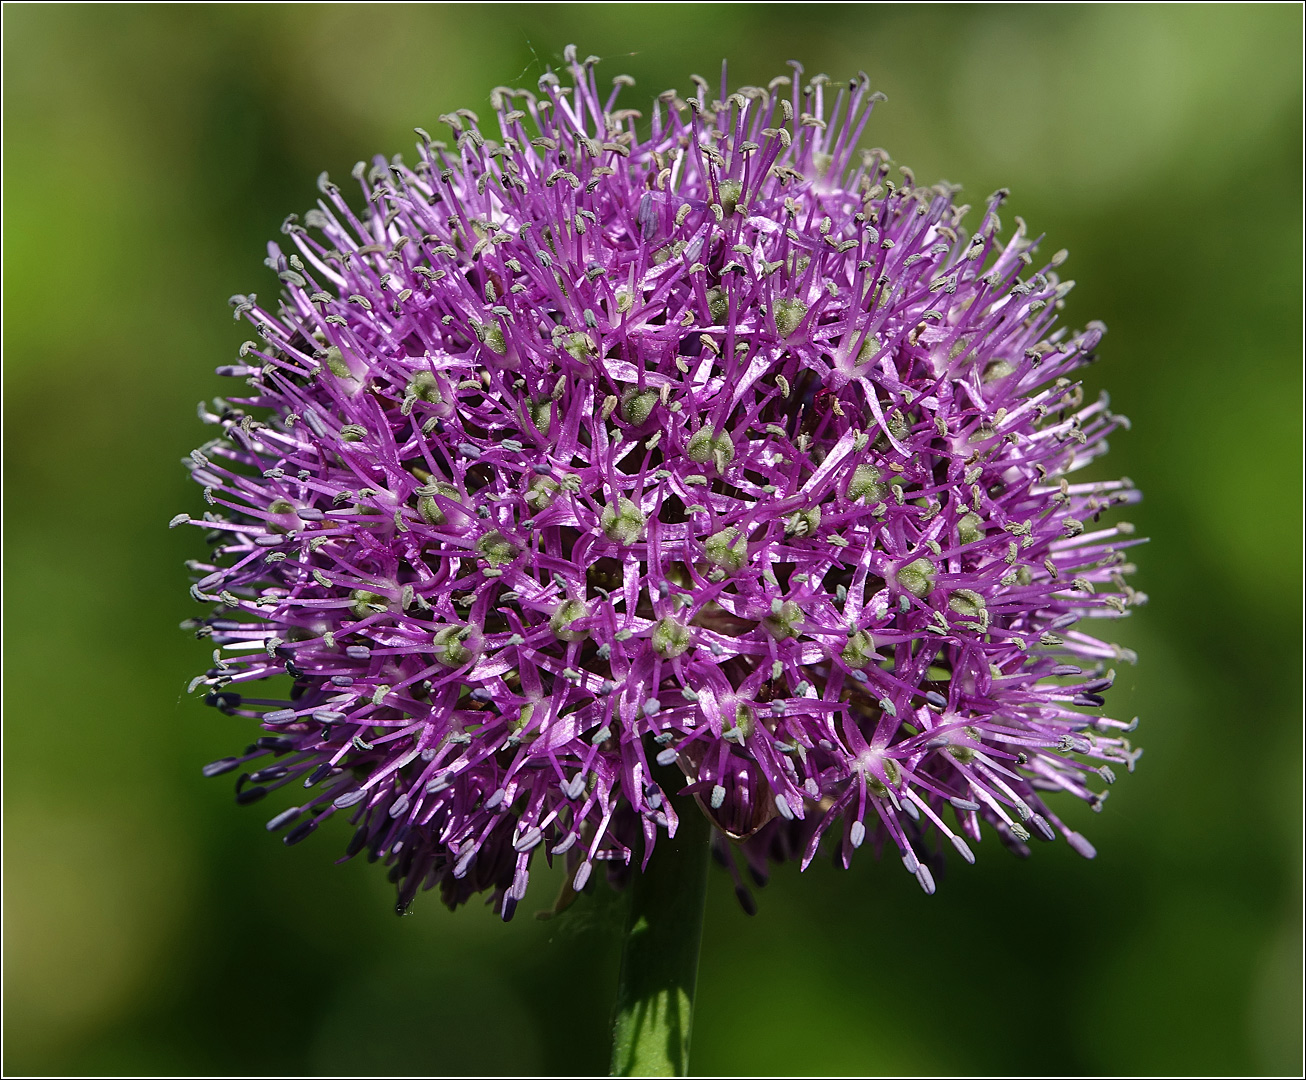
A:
x: 586, y: 450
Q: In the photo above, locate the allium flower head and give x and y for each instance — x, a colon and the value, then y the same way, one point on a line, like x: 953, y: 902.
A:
x: 581, y: 449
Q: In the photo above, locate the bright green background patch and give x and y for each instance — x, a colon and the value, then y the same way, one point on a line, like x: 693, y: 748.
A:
x: 151, y: 926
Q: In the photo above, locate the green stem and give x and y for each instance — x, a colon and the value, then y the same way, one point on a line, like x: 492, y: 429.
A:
x: 659, y: 961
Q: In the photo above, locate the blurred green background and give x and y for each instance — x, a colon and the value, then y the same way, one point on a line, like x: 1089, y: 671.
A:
x: 153, y: 927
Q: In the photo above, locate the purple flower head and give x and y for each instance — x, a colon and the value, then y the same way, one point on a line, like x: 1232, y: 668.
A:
x: 580, y: 453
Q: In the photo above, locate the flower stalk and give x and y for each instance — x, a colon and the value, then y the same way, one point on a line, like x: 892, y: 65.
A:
x: 659, y: 961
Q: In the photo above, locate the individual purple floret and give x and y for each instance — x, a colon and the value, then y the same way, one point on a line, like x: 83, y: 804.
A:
x: 578, y: 453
